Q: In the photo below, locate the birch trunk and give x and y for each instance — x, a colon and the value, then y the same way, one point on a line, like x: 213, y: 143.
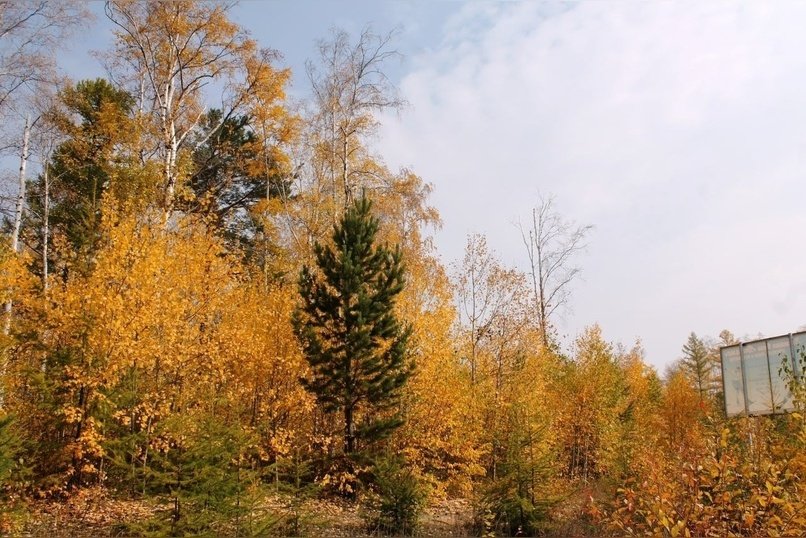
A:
x: 15, y: 233
x: 15, y: 238
x: 45, y: 226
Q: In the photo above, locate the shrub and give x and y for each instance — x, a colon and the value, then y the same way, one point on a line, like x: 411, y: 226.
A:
x: 12, y: 476
x: 203, y: 479
x: 506, y: 507
x: 396, y: 498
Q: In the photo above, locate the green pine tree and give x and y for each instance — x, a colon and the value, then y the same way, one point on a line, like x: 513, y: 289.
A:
x: 203, y: 477
x: 355, y: 345
x: 96, y: 120
x: 697, y: 361
x: 14, y: 474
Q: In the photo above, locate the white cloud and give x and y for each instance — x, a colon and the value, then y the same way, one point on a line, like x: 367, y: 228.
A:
x: 678, y: 130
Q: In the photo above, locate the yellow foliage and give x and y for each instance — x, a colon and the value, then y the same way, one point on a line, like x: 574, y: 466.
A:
x: 439, y: 436
x: 166, y: 322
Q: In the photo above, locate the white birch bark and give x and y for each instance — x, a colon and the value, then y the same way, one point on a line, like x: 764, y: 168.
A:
x: 15, y: 237
x: 19, y: 206
x: 45, y: 225
x: 18, y: 209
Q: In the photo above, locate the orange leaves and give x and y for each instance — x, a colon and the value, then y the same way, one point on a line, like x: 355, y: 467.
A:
x: 681, y: 414
x: 264, y: 100
x: 261, y: 353
x: 734, y: 479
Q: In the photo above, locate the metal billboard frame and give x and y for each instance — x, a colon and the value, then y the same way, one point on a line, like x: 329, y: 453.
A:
x: 796, y: 369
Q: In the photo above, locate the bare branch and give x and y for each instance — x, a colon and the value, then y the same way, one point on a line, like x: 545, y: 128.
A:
x: 551, y: 243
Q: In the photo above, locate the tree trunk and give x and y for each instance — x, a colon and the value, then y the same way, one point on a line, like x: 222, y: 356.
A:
x: 349, y: 430
x: 15, y: 233
x: 345, y: 179
x: 45, y: 226
x: 473, y: 330
x: 170, y: 176
x: 541, y: 282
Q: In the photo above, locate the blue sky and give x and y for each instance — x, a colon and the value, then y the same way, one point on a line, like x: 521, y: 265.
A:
x: 293, y: 28
x: 677, y: 129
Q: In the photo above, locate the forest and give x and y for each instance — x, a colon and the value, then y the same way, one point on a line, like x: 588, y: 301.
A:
x: 224, y: 315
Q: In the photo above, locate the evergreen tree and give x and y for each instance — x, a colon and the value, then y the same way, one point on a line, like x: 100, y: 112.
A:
x: 96, y: 120
x: 13, y: 475
x: 697, y: 361
x: 203, y: 476
x: 231, y: 172
x: 355, y: 345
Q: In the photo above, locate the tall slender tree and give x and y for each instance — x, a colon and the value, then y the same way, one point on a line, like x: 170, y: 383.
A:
x: 698, y: 362
x: 349, y: 88
x: 551, y: 243
x: 351, y: 337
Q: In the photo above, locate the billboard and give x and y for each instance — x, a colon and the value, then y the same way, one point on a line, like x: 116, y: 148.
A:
x: 752, y: 380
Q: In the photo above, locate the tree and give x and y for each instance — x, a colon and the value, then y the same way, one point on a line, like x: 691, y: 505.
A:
x: 726, y: 338
x: 680, y: 413
x: 593, y: 383
x: 19, y: 208
x: 491, y: 311
x: 438, y: 438
x: 206, y: 479
x: 697, y: 361
x: 551, y: 242
x: 171, y: 51
x: 232, y: 177
x: 95, y: 120
x: 351, y: 337
x: 30, y: 33
x: 349, y: 88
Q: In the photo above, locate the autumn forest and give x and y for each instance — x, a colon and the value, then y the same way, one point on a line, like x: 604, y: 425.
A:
x: 224, y: 315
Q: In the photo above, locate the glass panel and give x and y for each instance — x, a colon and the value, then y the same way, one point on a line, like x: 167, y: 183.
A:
x: 757, y: 377
x: 799, y: 342
x: 778, y: 351
x: 732, y: 378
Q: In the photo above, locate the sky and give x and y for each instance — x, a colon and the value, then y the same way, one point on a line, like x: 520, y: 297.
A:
x: 676, y: 129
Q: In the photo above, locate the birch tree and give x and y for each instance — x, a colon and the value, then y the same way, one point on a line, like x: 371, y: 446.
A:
x: 333, y: 161
x: 29, y: 34
x: 349, y: 87
x: 489, y: 298
x: 170, y: 53
x: 551, y: 244
x: 19, y: 205
x: 39, y: 200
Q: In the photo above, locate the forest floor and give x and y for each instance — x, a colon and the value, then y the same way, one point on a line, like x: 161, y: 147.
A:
x: 95, y: 512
